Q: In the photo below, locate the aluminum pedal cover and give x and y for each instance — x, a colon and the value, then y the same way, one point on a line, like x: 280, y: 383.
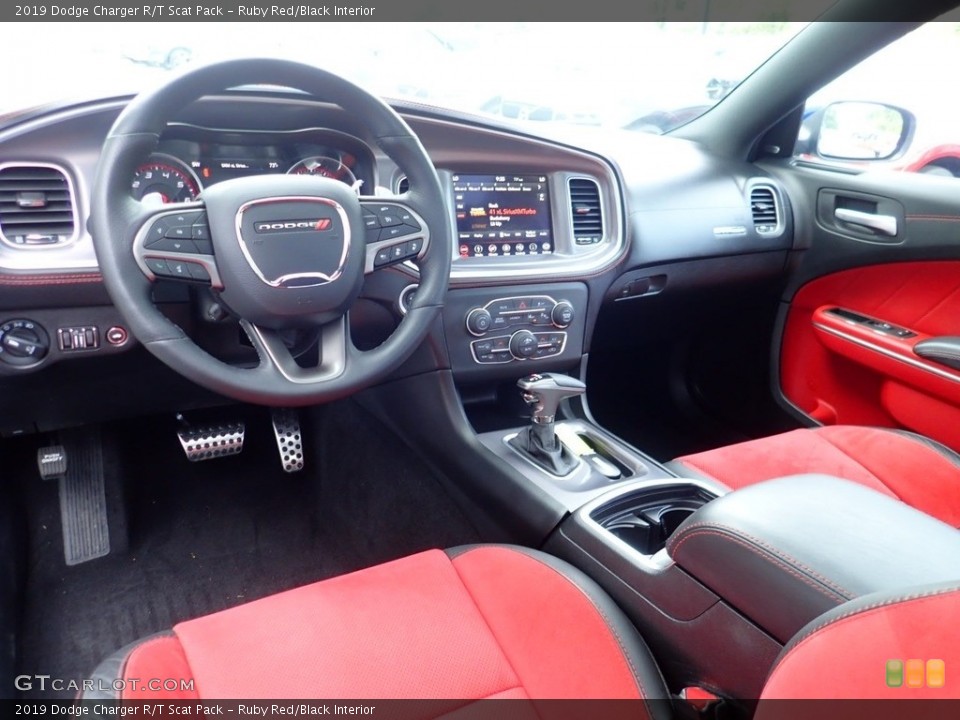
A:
x: 207, y: 442
x: 286, y: 428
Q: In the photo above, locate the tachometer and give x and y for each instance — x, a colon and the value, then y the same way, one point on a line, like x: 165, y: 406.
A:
x: 164, y: 179
x: 325, y: 167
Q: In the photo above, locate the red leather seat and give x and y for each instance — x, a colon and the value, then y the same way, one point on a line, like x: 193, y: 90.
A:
x: 474, y: 623
x: 847, y: 653
x: 504, y: 622
x: 911, y: 468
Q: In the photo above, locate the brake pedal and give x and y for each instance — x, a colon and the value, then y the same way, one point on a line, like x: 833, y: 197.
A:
x: 286, y: 428
x: 77, y: 465
x: 206, y: 442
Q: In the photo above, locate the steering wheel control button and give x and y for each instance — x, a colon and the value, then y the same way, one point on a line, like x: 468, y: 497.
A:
x: 116, y: 335
x: 198, y: 272
x: 180, y: 232
x: 391, y: 233
x: 414, y: 247
x: 158, y: 266
x: 172, y: 245
x: 384, y: 257
x: 409, y: 220
x: 388, y: 215
x: 178, y: 269
x: 204, y: 247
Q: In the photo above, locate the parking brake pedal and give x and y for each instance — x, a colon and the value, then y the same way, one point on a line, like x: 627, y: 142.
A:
x: 286, y: 428
x: 77, y: 465
x: 209, y: 441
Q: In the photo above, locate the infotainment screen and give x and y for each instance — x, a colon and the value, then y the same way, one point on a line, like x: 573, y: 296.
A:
x: 502, y: 215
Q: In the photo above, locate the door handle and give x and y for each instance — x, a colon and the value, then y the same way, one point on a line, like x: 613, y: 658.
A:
x: 883, y: 224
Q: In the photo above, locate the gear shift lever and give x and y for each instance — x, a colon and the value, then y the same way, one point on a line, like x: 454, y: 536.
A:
x: 543, y: 393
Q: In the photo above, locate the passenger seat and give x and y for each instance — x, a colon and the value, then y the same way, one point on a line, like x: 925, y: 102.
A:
x: 909, y: 467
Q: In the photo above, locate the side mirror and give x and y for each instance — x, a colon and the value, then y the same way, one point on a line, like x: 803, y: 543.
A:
x: 853, y: 130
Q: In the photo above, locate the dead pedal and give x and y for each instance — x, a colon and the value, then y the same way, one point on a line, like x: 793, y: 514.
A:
x: 210, y: 441
x: 286, y: 428
x: 78, y: 466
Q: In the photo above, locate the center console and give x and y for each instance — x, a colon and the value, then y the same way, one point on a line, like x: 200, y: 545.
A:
x: 719, y: 582
x: 506, y: 332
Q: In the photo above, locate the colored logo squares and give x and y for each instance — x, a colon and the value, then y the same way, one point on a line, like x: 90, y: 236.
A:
x: 916, y: 673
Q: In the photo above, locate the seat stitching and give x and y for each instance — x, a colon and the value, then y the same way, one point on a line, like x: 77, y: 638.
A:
x: 468, y: 703
x: 854, y: 613
x: 486, y: 622
x: 791, y: 565
x: 606, y: 620
x: 940, y: 449
x: 852, y: 458
x: 774, y: 550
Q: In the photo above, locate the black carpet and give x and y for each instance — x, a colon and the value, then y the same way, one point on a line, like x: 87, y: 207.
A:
x: 207, y: 536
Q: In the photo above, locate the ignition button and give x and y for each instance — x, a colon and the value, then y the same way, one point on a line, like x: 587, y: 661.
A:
x: 117, y: 335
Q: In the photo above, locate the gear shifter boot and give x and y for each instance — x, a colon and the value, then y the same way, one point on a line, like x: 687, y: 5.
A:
x: 539, y: 443
x: 556, y: 459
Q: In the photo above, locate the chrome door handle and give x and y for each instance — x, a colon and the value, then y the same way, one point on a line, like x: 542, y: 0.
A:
x: 883, y: 224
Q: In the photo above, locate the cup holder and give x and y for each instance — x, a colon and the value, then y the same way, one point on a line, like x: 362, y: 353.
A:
x: 646, y: 518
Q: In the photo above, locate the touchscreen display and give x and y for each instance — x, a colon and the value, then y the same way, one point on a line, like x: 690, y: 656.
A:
x: 502, y: 215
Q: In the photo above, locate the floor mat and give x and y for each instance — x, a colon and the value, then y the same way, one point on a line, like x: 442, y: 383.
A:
x: 207, y: 536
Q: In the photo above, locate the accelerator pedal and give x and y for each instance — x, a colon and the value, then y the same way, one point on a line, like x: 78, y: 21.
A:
x: 211, y: 440
x: 77, y: 465
x: 286, y: 428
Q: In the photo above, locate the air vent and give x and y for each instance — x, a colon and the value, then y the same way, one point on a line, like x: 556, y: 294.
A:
x: 403, y: 184
x: 36, y: 206
x: 764, y: 208
x: 587, y: 214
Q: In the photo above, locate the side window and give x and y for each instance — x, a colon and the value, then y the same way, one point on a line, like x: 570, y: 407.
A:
x: 897, y: 110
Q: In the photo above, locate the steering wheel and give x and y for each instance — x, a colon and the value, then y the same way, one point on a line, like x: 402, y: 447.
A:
x: 279, y: 251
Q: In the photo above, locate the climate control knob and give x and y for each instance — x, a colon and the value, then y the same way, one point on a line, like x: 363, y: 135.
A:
x: 23, y: 342
x: 479, y: 321
x: 523, y: 344
x: 562, y: 314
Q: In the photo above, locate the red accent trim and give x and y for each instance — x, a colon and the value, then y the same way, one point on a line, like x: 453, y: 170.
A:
x: 820, y: 371
x: 847, y: 658
x: 158, y: 659
x: 896, y: 465
x: 55, y: 279
x: 494, y: 622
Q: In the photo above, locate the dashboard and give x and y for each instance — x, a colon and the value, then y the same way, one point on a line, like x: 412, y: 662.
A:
x: 547, y: 227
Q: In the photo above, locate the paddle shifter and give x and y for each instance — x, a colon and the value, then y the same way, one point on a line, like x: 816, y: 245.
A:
x: 543, y: 393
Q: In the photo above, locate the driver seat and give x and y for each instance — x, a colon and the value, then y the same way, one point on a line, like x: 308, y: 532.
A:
x: 502, y: 622
x: 471, y: 623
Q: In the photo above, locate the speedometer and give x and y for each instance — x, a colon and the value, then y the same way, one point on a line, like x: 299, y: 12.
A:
x: 164, y: 179
x: 325, y: 167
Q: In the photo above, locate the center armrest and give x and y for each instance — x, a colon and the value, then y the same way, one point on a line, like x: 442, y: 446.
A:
x: 785, y: 551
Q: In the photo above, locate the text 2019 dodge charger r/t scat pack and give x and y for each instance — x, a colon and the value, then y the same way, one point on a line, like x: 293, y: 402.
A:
x: 311, y: 395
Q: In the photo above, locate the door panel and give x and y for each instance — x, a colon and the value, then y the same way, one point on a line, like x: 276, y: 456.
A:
x: 841, y: 371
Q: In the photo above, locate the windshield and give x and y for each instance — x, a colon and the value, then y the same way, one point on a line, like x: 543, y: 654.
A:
x: 644, y: 76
